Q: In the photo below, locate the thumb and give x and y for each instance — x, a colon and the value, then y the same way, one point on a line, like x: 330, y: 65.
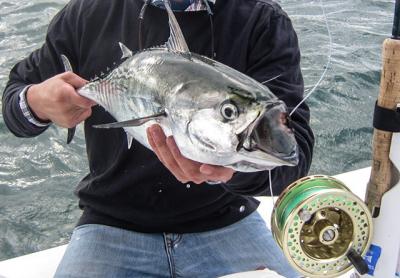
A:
x: 74, y: 80
x: 84, y: 115
x: 80, y: 101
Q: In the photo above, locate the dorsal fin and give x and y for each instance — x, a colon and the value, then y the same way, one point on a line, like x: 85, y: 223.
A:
x: 126, y: 52
x: 176, y: 41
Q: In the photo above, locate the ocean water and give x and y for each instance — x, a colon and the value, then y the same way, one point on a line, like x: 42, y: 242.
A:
x: 37, y: 176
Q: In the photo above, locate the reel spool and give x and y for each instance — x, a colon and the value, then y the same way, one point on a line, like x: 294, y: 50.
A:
x: 322, y: 227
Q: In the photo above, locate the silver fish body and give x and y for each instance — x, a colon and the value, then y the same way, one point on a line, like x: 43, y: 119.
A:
x: 216, y: 114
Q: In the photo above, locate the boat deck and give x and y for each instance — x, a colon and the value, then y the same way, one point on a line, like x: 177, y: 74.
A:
x: 43, y: 264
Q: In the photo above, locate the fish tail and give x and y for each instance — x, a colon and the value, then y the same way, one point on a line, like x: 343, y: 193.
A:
x: 68, y: 67
x: 66, y: 63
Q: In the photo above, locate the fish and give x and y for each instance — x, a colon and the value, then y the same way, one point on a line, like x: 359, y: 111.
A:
x: 216, y: 114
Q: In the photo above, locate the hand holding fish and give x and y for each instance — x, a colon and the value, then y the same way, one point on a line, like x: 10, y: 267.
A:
x: 185, y: 170
x: 56, y: 100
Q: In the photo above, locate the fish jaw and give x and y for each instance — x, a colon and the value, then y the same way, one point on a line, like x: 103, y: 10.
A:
x: 261, y: 161
x: 269, y: 141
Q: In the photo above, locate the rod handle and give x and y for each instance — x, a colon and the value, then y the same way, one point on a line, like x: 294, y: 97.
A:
x: 383, y: 174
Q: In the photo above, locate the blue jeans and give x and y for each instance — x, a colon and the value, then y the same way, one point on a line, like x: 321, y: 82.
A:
x: 101, y: 251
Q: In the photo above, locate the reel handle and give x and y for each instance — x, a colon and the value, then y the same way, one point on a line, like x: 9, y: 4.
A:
x: 358, y: 262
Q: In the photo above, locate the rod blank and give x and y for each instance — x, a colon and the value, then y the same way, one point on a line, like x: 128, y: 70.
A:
x: 396, y: 23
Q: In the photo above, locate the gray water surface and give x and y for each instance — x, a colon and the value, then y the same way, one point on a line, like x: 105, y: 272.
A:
x: 38, y: 175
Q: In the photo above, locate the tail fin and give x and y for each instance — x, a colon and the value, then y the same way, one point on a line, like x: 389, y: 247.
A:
x: 68, y: 67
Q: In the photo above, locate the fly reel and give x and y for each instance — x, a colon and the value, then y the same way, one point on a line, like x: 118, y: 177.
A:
x: 322, y: 227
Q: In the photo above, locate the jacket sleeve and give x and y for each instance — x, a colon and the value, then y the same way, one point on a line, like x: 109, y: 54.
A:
x: 275, y: 52
x: 40, y: 65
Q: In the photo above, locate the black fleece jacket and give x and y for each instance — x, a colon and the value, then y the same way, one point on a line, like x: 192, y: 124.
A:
x: 130, y: 188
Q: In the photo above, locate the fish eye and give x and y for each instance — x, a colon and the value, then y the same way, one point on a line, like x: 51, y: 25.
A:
x: 229, y: 111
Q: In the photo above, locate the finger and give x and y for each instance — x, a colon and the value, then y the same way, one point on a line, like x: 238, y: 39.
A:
x: 157, y: 136
x: 83, y: 115
x: 73, y: 79
x: 161, y: 148
x: 77, y: 82
x: 153, y: 145
x: 189, y: 167
x: 73, y: 117
x: 217, y: 173
x: 167, y: 162
x: 80, y: 101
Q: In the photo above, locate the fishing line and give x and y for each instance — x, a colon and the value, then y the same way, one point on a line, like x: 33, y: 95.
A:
x: 270, y: 188
x: 273, y: 78
x: 312, y: 90
x: 327, y: 64
x: 141, y: 18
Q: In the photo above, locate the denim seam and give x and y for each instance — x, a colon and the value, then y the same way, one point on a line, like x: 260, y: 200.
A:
x: 178, y: 239
x: 168, y: 249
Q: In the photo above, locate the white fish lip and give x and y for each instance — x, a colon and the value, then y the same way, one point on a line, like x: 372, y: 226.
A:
x: 292, y: 159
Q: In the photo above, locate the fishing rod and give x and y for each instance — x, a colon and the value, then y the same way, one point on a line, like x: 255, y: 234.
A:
x: 384, y: 175
x: 383, y: 190
x: 396, y: 22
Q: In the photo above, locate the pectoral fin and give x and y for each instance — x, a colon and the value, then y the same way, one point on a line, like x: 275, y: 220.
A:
x: 133, y: 122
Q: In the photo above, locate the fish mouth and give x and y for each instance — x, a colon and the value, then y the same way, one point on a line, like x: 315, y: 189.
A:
x: 270, y: 136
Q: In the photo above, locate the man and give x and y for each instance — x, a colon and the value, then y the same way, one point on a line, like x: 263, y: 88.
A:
x: 153, y: 214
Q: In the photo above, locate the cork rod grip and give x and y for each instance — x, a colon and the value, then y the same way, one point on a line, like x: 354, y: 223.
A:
x: 383, y: 173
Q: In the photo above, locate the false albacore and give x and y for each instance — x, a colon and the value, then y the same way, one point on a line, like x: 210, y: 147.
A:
x: 216, y: 114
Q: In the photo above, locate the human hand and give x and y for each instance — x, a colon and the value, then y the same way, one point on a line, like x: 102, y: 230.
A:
x: 184, y: 169
x: 56, y: 100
